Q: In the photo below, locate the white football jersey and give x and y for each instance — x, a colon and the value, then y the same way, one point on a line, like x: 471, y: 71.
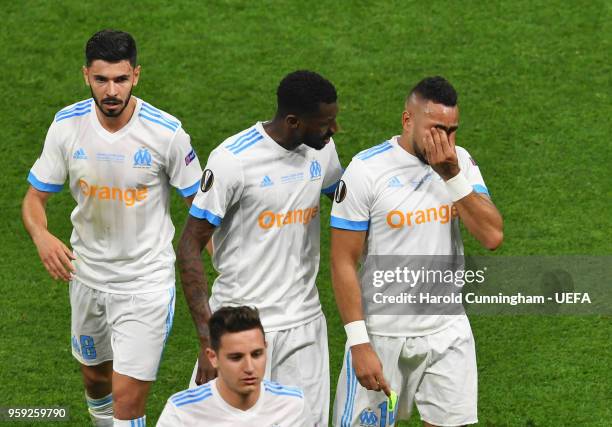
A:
x: 277, y: 406
x: 122, y: 235
x: 404, y: 206
x: 264, y: 200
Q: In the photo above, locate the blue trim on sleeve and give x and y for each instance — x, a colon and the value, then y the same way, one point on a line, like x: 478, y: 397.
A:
x: 77, y: 109
x: 75, y: 114
x: 204, y: 214
x: 189, y: 191
x: 377, y: 149
x: 152, y: 111
x: 159, y: 122
x: 43, y: 186
x: 345, y: 224
x: 331, y: 188
x: 190, y: 393
x: 478, y: 188
x: 203, y: 396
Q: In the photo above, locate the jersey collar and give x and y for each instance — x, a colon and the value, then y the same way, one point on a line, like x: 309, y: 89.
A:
x: 237, y: 413
x: 275, y: 145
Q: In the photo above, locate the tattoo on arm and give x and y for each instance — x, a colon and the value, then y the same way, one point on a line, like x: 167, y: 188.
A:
x: 196, y: 234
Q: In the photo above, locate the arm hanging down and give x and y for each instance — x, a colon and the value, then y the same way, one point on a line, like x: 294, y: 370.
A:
x: 346, y: 248
x: 196, y: 235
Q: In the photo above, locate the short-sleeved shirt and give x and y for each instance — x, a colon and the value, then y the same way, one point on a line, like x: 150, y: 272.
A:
x: 264, y: 200
x: 122, y: 235
x: 405, y: 207
x: 277, y: 406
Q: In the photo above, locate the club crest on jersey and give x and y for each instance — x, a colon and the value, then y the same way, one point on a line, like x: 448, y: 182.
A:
x: 266, y: 182
x: 208, y: 178
x: 395, y: 183
x: 368, y: 418
x: 315, y: 170
x: 79, y: 154
x: 142, y: 158
x: 340, y: 193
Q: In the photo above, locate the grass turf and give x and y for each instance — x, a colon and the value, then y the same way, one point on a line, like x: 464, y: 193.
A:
x: 534, y: 85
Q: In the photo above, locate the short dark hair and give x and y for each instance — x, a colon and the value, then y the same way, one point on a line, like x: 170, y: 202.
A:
x: 302, y: 91
x: 232, y: 320
x: 111, y: 46
x: 436, y: 89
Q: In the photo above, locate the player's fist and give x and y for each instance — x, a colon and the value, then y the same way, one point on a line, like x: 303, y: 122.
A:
x: 440, y: 153
x: 368, y: 369
x: 55, y: 256
x: 206, y: 371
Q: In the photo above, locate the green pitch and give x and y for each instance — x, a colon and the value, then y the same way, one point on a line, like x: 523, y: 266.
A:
x: 534, y: 85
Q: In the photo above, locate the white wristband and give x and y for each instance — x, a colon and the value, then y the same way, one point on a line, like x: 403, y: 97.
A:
x: 458, y: 187
x: 356, y: 333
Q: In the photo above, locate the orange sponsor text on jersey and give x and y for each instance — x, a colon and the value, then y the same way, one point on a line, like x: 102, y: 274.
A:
x: 441, y: 214
x: 129, y: 196
x: 269, y: 219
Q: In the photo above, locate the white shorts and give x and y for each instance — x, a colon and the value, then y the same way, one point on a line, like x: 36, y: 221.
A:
x: 436, y: 372
x: 299, y: 357
x: 131, y: 330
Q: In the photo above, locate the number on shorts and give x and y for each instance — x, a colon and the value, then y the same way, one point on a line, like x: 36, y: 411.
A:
x: 88, y: 348
x: 384, y: 412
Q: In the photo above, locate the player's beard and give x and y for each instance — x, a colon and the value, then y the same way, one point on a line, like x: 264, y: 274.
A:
x: 418, y: 152
x: 114, y: 101
x: 316, y: 141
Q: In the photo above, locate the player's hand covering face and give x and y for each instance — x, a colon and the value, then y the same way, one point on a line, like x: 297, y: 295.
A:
x: 433, y: 138
x: 440, y: 153
x: 111, y: 85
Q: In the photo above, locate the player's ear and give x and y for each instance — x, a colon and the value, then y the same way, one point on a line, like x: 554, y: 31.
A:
x: 86, y: 75
x: 407, y: 120
x: 212, y: 357
x: 136, y: 74
x: 292, y: 121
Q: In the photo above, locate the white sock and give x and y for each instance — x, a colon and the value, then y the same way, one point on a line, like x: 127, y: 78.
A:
x: 137, y: 422
x: 101, y: 410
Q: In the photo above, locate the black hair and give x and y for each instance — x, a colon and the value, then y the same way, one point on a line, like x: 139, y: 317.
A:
x: 232, y: 320
x: 111, y: 46
x: 436, y: 89
x: 302, y: 91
